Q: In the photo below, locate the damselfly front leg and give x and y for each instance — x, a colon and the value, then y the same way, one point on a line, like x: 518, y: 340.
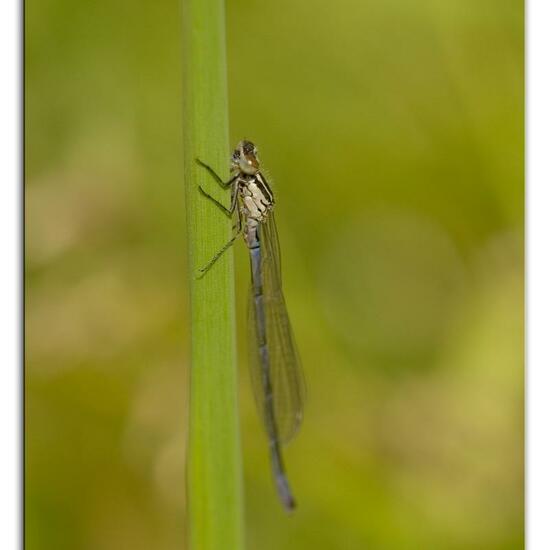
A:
x: 223, y: 184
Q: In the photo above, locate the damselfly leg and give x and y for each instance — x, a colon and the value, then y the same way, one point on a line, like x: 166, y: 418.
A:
x: 227, y: 211
x: 223, y: 184
x: 218, y: 254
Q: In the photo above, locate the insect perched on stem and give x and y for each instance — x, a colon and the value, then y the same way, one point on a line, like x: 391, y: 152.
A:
x: 275, y: 367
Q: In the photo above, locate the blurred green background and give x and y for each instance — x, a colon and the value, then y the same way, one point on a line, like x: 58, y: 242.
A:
x: 393, y: 134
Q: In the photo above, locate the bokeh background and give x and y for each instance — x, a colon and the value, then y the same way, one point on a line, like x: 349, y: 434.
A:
x: 393, y: 133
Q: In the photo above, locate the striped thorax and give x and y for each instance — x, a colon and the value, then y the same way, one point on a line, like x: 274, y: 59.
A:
x: 256, y: 197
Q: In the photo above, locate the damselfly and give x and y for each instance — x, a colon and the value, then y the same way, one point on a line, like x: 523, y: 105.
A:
x: 274, y: 363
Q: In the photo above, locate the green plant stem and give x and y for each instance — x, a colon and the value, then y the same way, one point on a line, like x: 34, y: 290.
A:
x: 214, y: 478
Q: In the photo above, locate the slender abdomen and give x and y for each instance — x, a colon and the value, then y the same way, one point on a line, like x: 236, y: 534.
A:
x: 277, y: 464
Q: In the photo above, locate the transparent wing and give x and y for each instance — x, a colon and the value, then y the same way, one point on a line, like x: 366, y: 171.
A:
x: 286, y: 373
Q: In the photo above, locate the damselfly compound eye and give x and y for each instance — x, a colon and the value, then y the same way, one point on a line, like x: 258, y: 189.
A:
x: 245, y: 158
x: 248, y: 147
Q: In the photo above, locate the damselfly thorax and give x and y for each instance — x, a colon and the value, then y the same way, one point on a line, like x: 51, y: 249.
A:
x: 256, y: 201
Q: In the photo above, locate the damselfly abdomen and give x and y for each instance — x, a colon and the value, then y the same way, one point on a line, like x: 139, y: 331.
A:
x: 274, y: 362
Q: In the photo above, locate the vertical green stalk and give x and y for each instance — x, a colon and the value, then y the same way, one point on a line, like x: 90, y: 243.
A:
x: 214, y: 480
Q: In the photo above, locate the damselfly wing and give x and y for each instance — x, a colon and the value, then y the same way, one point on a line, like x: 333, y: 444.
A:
x: 287, y: 377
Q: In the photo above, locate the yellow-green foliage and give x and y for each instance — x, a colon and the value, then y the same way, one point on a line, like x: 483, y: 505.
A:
x: 393, y: 134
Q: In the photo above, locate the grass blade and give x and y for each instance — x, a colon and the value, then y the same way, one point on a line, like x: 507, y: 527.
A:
x: 214, y: 478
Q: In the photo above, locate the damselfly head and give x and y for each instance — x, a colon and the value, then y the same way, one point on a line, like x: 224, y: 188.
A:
x: 245, y: 158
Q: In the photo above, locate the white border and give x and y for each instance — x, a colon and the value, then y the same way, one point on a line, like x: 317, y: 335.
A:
x: 10, y: 297
x: 538, y: 275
